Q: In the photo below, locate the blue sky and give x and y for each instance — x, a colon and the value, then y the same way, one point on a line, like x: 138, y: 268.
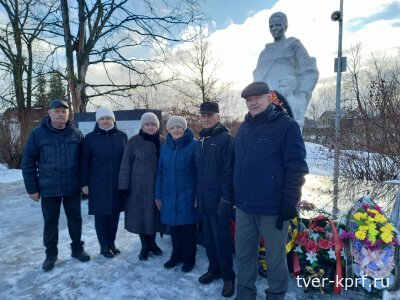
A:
x: 225, y: 12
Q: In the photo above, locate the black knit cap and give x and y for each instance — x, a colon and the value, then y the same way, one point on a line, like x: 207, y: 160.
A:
x: 255, y: 89
x: 209, y: 107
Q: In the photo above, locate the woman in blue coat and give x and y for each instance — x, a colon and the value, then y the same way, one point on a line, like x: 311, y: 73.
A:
x: 175, y: 192
x: 100, y: 164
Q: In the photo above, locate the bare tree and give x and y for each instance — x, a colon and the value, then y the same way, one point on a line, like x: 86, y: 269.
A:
x: 119, y: 37
x: 25, y: 27
x: 371, y: 112
x: 198, y: 80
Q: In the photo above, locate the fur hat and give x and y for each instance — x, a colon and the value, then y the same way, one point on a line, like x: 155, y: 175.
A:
x: 255, y: 89
x: 104, y: 112
x: 149, y: 117
x: 176, y: 120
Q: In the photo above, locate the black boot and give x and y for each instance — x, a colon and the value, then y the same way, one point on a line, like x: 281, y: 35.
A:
x: 152, y: 244
x: 49, y: 263
x: 106, y: 252
x: 114, y: 249
x: 144, y: 252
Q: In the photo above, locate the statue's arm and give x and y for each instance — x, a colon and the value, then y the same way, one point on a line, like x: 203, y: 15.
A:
x: 306, y: 71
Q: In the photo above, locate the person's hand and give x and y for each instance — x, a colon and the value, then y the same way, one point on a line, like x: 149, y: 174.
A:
x: 85, y: 190
x: 288, y: 212
x: 35, y: 196
x: 158, y: 203
x: 224, y: 208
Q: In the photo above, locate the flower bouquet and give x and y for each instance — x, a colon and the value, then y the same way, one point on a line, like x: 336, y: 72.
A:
x: 370, y: 243
x: 319, y: 250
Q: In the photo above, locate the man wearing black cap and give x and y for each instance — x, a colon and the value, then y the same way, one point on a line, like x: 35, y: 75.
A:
x: 50, y: 167
x: 268, y: 175
x: 214, y: 163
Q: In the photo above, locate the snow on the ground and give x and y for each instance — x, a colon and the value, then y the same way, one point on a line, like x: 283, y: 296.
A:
x: 318, y: 160
x: 7, y: 176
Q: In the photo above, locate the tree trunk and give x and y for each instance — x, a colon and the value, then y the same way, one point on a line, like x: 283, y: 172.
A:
x: 69, y: 55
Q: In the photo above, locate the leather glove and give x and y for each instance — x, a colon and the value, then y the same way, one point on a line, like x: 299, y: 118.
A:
x: 288, y: 211
x: 224, y: 208
x: 124, y: 194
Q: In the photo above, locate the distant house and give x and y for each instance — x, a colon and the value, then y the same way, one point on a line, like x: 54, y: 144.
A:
x: 311, y: 131
x: 327, y: 119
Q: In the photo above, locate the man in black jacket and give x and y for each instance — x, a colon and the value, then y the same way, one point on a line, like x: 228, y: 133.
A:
x: 214, y: 162
x: 50, y: 167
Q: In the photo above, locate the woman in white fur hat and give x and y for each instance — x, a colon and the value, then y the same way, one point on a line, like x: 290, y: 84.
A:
x: 137, y: 178
x: 100, y: 164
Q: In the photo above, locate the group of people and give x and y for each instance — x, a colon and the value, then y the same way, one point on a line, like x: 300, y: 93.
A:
x: 171, y: 184
x: 176, y: 182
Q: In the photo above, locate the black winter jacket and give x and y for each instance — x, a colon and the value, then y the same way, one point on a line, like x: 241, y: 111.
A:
x: 214, y: 163
x: 100, y: 164
x: 269, y: 162
x: 50, y: 162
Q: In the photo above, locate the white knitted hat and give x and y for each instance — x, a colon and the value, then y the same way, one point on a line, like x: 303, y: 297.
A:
x: 149, y: 117
x: 176, y: 120
x: 104, y: 112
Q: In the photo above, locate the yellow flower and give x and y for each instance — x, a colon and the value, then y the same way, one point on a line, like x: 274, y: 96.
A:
x: 380, y: 218
x: 363, y: 227
x: 386, y: 237
x: 387, y: 228
x: 361, y: 235
x: 360, y: 216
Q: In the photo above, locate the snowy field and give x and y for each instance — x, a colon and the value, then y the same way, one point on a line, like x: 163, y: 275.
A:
x: 122, y: 277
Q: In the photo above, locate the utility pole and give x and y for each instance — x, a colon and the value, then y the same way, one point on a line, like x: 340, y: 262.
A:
x: 340, y: 66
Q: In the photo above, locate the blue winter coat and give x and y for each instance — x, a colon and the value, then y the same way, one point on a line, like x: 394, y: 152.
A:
x: 214, y: 164
x: 50, y: 163
x: 176, y: 180
x: 269, y: 162
x: 100, y: 164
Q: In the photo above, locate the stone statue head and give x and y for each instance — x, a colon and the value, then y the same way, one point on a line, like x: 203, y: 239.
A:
x: 278, y: 25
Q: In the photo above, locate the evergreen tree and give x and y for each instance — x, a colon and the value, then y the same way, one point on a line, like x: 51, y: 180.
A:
x: 56, y: 87
x: 40, y: 94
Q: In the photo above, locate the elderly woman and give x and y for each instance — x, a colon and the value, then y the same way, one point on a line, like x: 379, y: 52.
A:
x: 175, y: 192
x: 137, y: 180
x: 100, y: 163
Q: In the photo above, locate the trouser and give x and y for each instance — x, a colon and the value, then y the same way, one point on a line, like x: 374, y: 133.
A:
x: 184, y: 244
x: 248, y: 230
x: 51, y: 214
x: 106, y: 228
x: 218, y: 243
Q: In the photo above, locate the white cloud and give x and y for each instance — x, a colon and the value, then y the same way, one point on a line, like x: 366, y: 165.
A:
x: 238, y: 46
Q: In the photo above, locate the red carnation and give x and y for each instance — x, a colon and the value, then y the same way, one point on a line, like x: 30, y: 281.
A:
x: 325, y: 244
